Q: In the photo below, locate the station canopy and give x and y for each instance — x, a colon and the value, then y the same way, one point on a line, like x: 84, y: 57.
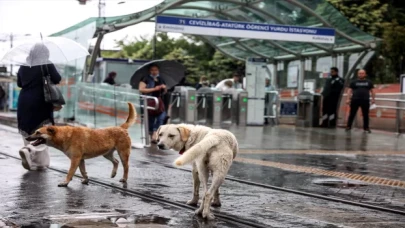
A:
x: 310, y: 13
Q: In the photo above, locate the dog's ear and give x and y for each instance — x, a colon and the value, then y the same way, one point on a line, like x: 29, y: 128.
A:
x: 51, y: 130
x: 184, y: 133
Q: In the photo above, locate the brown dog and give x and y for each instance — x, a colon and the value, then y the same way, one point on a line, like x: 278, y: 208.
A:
x: 80, y: 143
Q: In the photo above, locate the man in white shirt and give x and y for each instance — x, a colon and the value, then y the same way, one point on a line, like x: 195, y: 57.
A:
x: 236, y: 80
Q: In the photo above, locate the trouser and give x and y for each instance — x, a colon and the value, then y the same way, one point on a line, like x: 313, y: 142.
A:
x: 329, y: 111
x: 39, y: 155
x: 155, y: 122
x: 365, y: 108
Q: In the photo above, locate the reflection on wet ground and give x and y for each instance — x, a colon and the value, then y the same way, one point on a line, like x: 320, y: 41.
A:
x: 290, y: 138
x: 32, y: 197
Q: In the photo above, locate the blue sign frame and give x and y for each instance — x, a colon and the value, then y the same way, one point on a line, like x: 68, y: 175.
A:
x: 244, y: 29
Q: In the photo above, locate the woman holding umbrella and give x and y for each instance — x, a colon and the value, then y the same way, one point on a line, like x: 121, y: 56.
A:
x: 39, y: 96
x: 153, y: 85
x: 33, y: 112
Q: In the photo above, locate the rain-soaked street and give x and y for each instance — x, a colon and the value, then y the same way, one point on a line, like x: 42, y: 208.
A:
x: 282, y: 177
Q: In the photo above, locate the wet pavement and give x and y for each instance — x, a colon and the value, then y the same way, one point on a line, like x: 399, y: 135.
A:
x: 291, y: 138
x: 34, y: 198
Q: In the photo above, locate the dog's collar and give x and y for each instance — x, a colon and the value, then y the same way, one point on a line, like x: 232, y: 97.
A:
x: 182, y: 150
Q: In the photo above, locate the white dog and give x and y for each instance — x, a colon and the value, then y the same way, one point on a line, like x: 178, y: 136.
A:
x: 210, y: 150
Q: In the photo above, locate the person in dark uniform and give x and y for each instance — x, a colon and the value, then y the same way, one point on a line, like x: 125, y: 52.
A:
x: 331, y: 93
x: 358, y: 96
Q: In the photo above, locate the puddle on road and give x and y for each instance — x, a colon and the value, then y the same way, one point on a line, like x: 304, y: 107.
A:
x: 100, y: 220
x: 337, y: 183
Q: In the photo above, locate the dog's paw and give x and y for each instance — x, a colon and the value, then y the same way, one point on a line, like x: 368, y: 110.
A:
x: 178, y: 163
x: 113, y: 174
x: 85, y: 181
x: 192, y: 202
x: 198, y: 211
x: 216, y: 203
x: 123, y: 180
x: 208, y: 215
x: 63, y: 184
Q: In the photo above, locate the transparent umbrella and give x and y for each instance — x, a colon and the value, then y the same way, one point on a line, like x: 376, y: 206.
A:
x: 56, y: 50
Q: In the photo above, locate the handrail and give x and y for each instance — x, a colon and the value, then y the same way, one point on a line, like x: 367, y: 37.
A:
x: 390, y: 107
x: 145, y: 97
x: 115, y: 92
x: 389, y: 99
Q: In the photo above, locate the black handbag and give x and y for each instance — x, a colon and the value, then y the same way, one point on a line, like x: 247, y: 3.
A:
x: 52, y: 93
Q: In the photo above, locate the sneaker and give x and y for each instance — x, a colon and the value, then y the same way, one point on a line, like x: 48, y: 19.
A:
x: 25, y: 158
x: 367, y: 131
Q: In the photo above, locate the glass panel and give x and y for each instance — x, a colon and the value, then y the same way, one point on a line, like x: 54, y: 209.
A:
x: 265, y: 11
x: 85, y: 105
x: 101, y: 106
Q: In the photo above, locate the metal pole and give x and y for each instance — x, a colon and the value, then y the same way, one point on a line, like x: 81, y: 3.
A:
x: 154, y: 38
x: 154, y: 46
x: 94, y: 57
x: 101, y: 8
x: 398, y: 118
x: 11, y: 46
x: 334, y: 60
x: 275, y: 79
x: 301, y: 76
x: 146, y: 121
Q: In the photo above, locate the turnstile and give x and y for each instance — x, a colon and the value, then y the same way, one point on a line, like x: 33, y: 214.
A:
x: 174, y: 107
x: 227, y: 109
x: 217, y: 108
x: 182, y: 105
x: 204, y: 109
x: 308, y: 109
x: 217, y: 105
x: 241, y: 109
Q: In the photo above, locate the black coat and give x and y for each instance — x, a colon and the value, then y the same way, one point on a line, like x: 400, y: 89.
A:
x: 32, y: 110
x: 333, y: 87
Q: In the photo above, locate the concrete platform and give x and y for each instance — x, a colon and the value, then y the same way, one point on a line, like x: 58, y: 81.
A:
x: 298, y: 159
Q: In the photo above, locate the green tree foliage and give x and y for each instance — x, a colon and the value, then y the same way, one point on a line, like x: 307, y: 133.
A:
x: 367, y: 15
x: 192, y: 68
x: 384, y: 19
x: 222, y: 67
x: 198, y: 57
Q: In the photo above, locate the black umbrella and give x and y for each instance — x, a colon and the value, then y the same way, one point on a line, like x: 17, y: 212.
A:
x: 171, y: 72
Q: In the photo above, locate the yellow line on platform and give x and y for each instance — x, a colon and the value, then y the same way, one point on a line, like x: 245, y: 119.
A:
x: 311, y: 170
x: 326, y: 152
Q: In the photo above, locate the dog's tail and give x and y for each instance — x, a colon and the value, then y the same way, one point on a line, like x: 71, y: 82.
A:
x: 199, y: 149
x: 131, y: 117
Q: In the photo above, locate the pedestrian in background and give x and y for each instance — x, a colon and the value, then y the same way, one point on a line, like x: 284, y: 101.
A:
x: 32, y: 111
x: 358, y: 96
x: 330, y: 98
x: 153, y: 85
x: 202, y: 82
x: 269, y: 100
x: 111, y: 78
x: 2, y: 98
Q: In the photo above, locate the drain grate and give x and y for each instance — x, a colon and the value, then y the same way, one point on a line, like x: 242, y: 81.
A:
x: 311, y: 170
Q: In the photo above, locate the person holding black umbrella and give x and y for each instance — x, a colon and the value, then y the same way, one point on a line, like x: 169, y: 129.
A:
x: 153, y: 85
